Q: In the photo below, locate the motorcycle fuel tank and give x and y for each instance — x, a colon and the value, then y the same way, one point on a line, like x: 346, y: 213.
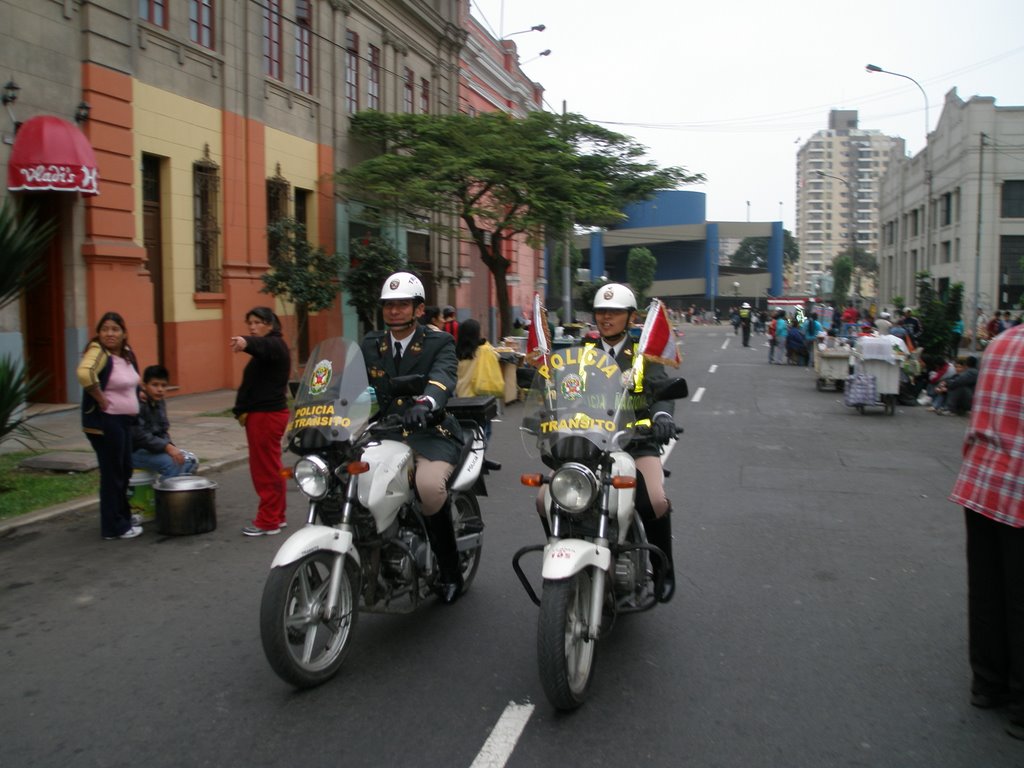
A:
x: 385, y: 488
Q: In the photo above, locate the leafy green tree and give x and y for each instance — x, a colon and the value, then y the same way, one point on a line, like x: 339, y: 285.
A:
x: 499, y: 177
x: 936, y: 326
x: 585, y: 296
x: 371, y: 260
x: 753, y: 251
x: 640, y: 267
x: 22, y: 239
x: 842, y: 273
x: 301, y: 274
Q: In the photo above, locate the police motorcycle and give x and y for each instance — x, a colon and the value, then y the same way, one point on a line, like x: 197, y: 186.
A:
x: 597, y: 564
x: 364, y: 546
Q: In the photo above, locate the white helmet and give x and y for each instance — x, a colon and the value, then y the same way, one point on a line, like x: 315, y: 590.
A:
x: 614, y: 296
x: 402, y: 285
x: 745, y: 306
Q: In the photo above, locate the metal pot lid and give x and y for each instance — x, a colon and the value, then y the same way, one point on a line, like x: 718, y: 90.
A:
x: 184, y: 483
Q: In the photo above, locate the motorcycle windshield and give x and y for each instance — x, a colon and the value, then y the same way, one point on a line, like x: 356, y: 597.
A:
x: 334, y: 398
x: 578, y: 406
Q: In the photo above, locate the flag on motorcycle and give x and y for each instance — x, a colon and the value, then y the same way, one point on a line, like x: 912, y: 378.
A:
x: 538, y: 339
x: 657, y: 342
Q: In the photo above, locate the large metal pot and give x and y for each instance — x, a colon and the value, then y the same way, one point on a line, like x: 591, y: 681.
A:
x: 185, y: 505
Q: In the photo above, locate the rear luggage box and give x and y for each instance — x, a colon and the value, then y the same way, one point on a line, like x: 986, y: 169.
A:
x: 476, y: 409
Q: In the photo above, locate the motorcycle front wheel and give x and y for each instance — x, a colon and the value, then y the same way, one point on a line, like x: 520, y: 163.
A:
x: 303, y: 647
x: 466, y: 519
x: 565, y: 655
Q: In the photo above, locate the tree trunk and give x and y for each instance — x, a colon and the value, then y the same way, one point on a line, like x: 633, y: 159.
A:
x: 490, y: 255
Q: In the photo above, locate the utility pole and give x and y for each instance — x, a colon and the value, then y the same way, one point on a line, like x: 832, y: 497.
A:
x: 977, y: 247
x: 566, y: 267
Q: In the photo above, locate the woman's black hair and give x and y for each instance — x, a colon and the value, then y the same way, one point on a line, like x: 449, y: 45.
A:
x: 126, y: 351
x: 469, y: 339
x: 266, y: 314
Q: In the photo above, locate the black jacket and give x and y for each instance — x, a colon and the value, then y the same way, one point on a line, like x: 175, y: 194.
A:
x: 427, y: 352
x: 265, y: 378
x: 151, y: 430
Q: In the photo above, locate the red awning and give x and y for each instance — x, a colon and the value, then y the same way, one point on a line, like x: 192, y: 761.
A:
x: 50, y: 153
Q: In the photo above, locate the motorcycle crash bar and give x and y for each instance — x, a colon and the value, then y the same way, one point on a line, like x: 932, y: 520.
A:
x: 537, y: 480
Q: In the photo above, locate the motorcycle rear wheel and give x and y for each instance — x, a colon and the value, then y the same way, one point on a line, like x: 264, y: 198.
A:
x: 302, y: 647
x: 565, y: 656
x: 466, y: 517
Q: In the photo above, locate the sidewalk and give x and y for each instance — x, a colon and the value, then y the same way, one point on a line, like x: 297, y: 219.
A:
x: 218, y: 441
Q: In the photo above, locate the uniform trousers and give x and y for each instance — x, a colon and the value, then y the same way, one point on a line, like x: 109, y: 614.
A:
x: 995, y: 608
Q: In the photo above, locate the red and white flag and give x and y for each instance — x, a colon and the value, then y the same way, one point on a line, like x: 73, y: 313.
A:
x: 657, y: 341
x: 538, y: 340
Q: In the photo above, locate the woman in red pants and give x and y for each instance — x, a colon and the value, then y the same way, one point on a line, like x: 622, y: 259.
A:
x: 261, y: 406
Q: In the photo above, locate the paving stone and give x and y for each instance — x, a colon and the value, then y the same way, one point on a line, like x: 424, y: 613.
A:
x: 61, y: 461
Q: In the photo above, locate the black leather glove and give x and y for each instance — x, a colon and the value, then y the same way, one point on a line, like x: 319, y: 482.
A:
x: 416, y: 416
x: 663, y: 429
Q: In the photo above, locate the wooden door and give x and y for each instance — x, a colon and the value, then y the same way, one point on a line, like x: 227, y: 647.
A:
x: 44, y: 304
x: 153, y: 241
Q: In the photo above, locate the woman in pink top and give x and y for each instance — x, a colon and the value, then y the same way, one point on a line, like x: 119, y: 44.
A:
x: 109, y: 376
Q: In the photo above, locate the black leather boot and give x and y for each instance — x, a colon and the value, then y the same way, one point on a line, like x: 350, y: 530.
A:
x: 442, y: 540
x: 659, y: 533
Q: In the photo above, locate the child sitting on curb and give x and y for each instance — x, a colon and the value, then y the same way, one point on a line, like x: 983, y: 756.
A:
x: 151, y: 440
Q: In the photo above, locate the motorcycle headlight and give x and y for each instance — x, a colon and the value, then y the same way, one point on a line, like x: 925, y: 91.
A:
x: 313, y: 476
x: 574, y: 487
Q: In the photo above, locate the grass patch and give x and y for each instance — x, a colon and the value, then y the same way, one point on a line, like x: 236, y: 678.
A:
x: 23, y: 490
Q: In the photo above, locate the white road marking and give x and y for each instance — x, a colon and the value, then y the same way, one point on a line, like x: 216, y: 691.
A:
x: 697, y: 395
x: 499, y: 745
x: 725, y: 343
x: 712, y: 369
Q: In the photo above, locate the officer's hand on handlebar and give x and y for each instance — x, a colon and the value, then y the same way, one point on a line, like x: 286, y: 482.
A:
x: 416, y: 416
x: 663, y: 429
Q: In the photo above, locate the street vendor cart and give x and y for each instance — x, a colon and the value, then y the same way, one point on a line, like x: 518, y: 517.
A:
x: 832, y: 366
x: 880, y: 358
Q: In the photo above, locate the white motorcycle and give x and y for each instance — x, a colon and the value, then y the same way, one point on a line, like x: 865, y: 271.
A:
x: 579, y: 418
x: 364, y: 546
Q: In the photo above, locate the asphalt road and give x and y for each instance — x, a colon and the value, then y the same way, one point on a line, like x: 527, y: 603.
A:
x: 820, y: 618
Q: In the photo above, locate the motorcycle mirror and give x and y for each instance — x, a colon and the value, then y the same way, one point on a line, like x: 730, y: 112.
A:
x: 410, y: 385
x: 674, y: 389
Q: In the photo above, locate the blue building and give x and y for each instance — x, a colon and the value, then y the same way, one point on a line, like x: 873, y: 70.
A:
x: 673, y: 226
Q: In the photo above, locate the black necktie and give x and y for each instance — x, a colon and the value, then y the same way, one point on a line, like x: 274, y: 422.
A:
x: 398, y: 353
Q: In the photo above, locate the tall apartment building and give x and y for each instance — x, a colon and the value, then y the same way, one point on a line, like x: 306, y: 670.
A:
x: 838, y: 172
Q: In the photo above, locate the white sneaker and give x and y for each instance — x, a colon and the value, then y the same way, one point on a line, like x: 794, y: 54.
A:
x: 131, y: 533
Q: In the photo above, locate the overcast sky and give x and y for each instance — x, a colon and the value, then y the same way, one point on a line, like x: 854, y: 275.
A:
x: 732, y: 88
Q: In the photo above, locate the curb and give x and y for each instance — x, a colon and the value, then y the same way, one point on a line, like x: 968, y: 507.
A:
x: 91, y: 504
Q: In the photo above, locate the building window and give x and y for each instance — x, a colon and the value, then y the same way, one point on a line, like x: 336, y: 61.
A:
x: 153, y: 11
x: 277, y: 209
x: 206, y: 230
x: 1011, y: 271
x: 1013, y: 200
x: 200, y: 22
x: 946, y: 209
x: 272, y: 39
x: 373, y: 80
x: 410, y: 84
x: 302, y: 198
x: 425, y: 96
x: 351, y: 72
x: 303, y: 46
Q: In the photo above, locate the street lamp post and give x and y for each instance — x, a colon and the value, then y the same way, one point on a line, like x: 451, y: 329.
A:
x: 927, y: 166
